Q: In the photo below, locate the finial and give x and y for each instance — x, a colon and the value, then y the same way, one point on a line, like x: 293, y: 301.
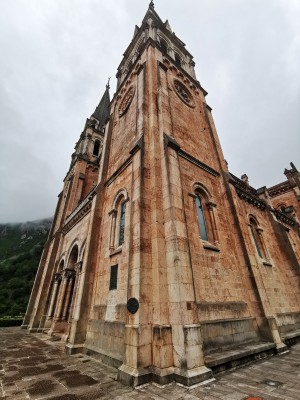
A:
x: 107, y: 86
x: 151, y: 4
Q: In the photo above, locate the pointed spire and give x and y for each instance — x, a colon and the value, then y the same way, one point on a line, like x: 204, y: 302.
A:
x: 101, y: 112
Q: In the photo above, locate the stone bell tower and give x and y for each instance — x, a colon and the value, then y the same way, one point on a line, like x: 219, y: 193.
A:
x: 159, y: 129
x: 56, y: 281
x: 160, y: 262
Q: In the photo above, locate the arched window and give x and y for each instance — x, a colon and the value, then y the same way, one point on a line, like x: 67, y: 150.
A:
x: 201, y: 218
x: 118, y: 219
x: 73, y: 257
x: 282, y: 207
x: 164, y: 46
x: 256, y: 235
x: 205, y: 215
x: 96, y: 148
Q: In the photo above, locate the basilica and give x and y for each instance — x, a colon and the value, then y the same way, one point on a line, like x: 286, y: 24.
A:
x: 160, y: 262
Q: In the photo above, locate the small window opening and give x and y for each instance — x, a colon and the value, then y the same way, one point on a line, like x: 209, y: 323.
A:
x: 96, y: 148
x: 113, y: 277
x: 178, y: 59
x: 164, y: 46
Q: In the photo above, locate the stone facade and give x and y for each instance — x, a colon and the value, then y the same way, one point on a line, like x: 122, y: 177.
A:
x: 160, y: 261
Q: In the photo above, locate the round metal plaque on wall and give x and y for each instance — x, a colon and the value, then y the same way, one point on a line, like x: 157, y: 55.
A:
x: 183, y: 93
x: 132, y: 305
x: 126, y: 101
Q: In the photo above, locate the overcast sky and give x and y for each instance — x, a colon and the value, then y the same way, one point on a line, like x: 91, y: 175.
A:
x: 56, y: 56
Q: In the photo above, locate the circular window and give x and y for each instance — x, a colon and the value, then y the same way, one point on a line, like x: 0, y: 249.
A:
x: 183, y: 93
x: 126, y: 101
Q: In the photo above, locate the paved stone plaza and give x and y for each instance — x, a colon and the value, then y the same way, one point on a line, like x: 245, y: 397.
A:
x: 34, y: 367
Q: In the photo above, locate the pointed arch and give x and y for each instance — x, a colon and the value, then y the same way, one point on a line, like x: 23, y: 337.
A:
x: 73, y: 257
x: 61, y: 263
x: 82, y: 251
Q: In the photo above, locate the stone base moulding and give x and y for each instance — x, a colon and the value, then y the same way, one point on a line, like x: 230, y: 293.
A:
x: 192, y: 376
x: 135, y: 377
x: 74, y: 348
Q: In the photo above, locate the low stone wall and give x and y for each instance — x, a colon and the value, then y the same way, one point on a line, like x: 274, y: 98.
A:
x: 105, y: 340
x: 220, y: 334
x: 288, y: 322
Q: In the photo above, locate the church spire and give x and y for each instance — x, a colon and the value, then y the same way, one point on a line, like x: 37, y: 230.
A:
x: 101, y: 112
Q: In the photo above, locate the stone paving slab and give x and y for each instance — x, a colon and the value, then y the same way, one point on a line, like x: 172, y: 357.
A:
x: 34, y: 367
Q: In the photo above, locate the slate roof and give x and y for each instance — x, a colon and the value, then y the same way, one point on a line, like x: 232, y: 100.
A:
x: 101, y: 112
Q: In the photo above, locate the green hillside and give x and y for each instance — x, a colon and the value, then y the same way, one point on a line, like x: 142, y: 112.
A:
x: 21, y: 247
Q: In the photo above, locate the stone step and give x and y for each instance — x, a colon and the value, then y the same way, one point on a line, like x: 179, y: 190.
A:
x: 237, y: 355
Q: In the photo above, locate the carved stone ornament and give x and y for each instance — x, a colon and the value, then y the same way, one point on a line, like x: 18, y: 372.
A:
x: 69, y: 273
x: 183, y: 93
x: 57, y: 277
x: 126, y: 101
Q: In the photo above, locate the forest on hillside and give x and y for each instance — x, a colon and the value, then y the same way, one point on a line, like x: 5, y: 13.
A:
x: 21, y: 247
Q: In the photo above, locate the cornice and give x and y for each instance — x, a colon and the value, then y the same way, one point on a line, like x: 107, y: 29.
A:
x: 80, y: 211
x: 171, y: 142
x: 279, y: 189
x: 247, y: 193
x: 281, y: 216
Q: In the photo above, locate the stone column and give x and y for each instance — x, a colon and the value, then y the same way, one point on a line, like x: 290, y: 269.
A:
x: 263, y: 245
x: 70, y: 277
x: 77, y: 269
x: 113, y: 214
x: 57, y: 280
x: 62, y: 295
x: 211, y: 207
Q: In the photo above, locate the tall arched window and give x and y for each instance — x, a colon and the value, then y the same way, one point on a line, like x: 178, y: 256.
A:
x: 256, y: 235
x: 201, y: 218
x: 206, y: 217
x: 118, y: 219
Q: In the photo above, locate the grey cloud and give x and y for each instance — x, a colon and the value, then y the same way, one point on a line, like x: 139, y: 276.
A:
x: 59, y: 54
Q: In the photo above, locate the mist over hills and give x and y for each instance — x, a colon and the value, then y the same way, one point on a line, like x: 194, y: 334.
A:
x: 21, y: 247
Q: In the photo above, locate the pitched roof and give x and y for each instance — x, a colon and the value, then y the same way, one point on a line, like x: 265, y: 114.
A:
x: 101, y: 112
